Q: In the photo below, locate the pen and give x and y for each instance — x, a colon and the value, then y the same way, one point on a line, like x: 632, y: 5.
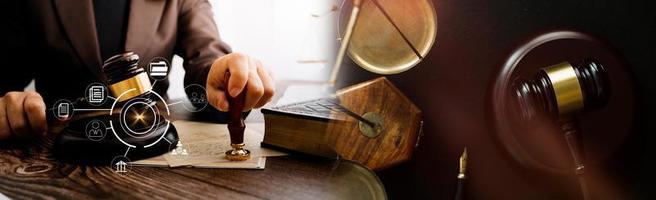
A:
x: 461, y: 175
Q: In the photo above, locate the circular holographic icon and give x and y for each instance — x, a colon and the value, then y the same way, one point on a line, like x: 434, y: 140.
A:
x: 121, y: 165
x: 96, y: 94
x: 95, y: 130
x: 159, y: 68
x: 197, y: 98
x: 63, y: 109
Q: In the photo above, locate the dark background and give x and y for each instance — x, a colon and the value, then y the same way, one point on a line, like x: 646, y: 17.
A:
x: 474, y: 37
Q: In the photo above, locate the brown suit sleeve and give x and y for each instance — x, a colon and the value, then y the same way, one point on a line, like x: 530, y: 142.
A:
x: 198, y: 40
x: 199, y: 45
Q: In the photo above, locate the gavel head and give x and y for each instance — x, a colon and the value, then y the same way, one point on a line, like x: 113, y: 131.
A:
x: 131, y: 86
x: 124, y: 77
x: 562, y: 90
x: 139, y: 114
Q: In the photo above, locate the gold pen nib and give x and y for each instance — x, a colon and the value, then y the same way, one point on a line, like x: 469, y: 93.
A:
x: 463, y: 164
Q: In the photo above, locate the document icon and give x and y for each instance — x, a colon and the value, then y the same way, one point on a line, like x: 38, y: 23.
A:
x: 159, y: 69
x: 96, y: 94
x: 62, y: 110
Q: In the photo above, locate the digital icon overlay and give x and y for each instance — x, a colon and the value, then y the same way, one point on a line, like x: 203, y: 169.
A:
x: 121, y: 165
x: 63, y: 109
x: 197, y: 100
x: 136, y: 122
x: 159, y: 68
x: 96, y: 130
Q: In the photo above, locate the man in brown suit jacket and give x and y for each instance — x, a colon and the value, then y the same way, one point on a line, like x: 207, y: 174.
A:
x: 61, y: 44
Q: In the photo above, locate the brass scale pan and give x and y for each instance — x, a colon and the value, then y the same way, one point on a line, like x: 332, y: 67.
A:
x: 389, y: 36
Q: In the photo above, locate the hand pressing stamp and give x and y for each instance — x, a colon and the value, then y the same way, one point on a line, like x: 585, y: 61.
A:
x: 236, y: 127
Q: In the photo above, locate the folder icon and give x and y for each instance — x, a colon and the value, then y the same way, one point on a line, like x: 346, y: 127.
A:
x: 158, y: 69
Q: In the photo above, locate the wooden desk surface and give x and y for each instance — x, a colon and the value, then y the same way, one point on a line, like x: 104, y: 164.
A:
x: 28, y: 171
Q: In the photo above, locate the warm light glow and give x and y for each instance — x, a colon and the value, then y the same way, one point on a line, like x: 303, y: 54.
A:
x: 140, y: 117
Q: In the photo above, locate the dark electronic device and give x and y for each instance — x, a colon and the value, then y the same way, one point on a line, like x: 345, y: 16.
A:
x: 135, y: 126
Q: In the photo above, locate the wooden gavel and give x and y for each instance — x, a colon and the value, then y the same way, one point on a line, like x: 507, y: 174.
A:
x: 559, y: 93
x: 562, y: 90
x: 236, y: 126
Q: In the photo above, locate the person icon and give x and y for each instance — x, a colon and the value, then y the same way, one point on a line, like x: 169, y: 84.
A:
x: 194, y: 97
x: 95, y: 130
x: 179, y: 150
x: 198, y: 100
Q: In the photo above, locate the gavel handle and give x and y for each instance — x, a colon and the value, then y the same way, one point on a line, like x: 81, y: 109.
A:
x: 570, y: 130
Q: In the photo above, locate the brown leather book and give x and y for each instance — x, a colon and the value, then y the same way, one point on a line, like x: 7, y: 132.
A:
x: 300, y: 127
x: 372, y: 123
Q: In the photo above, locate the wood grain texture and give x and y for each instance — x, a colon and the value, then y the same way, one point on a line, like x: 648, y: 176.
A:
x: 401, y: 125
x: 28, y: 171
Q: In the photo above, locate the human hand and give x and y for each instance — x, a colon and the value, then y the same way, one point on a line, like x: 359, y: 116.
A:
x: 245, y: 73
x: 22, y: 114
